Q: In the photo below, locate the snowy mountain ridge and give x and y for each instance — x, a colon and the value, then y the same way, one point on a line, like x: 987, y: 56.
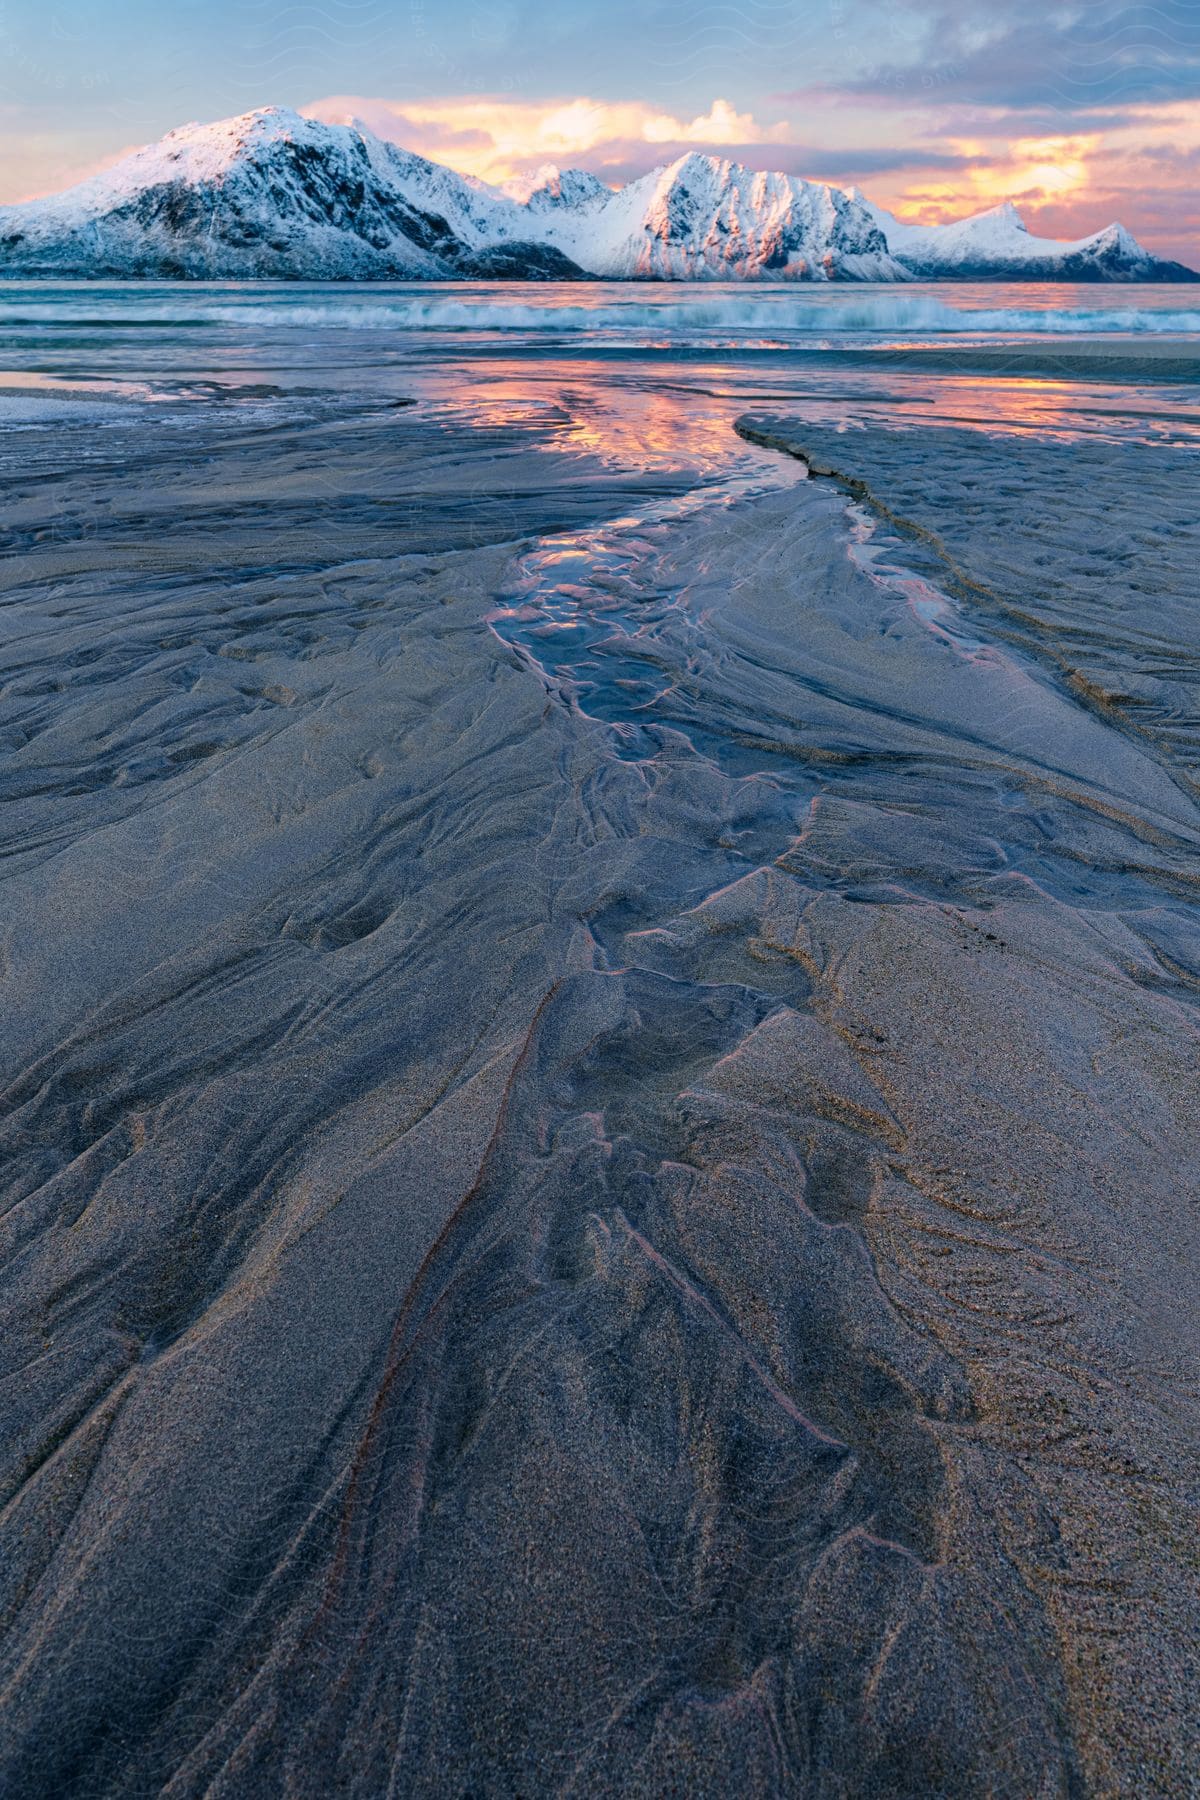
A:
x: 997, y: 244
x: 274, y: 194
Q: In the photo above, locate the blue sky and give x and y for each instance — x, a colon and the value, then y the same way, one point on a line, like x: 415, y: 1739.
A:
x: 1081, y: 113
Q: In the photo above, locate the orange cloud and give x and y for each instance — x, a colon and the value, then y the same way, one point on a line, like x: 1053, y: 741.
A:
x: 928, y: 164
x: 500, y: 139
x: 1069, y: 184
x: 58, y: 166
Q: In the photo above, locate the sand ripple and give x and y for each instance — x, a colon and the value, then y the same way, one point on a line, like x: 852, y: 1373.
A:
x: 598, y: 1204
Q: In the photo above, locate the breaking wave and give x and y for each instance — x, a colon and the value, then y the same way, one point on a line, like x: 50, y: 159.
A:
x: 813, y: 314
x: 899, y: 316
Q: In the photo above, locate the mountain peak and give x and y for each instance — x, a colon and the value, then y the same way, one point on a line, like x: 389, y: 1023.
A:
x: 273, y: 193
x: 1005, y: 214
x: 551, y: 188
x: 263, y: 123
x: 695, y: 164
x: 1120, y: 239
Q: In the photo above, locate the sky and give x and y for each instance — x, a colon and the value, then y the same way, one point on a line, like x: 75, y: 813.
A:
x: 1081, y: 113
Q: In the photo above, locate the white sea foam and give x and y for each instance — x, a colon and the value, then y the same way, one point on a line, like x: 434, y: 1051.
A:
x: 785, y: 315
x: 727, y: 315
x: 900, y: 317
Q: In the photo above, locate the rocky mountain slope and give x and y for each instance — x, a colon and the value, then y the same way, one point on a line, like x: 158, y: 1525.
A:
x: 272, y: 194
x: 997, y: 245
x: 704, y: 216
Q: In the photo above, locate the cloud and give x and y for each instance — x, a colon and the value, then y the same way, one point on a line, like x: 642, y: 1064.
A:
x: 34, y: 163
x: 969, y: 125
x: 500, y: 139
x: 1141, y: 169
x: 930, y: 163
x: 862, y: 167
x: 506, y: 141
x: 1065, y: 59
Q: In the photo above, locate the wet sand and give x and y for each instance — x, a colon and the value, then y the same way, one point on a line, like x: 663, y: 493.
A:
x: 600, y: 1109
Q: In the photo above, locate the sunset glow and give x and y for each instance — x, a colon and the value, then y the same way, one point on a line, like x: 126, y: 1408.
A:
x: 500, y: 140
x: 1066, y: 184
x: 934, y: 114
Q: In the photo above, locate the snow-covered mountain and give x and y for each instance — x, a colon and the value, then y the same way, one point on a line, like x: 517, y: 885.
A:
x: 559, y: 190
x: 275, y: 194
x: 704, y: 216
x: 997, y: 246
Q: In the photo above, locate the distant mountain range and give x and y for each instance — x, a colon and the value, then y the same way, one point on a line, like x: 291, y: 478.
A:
x: 275, y: 195
x: 997, y: 246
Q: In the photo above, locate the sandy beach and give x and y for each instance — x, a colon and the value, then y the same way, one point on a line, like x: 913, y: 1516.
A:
x: 599, y: 1074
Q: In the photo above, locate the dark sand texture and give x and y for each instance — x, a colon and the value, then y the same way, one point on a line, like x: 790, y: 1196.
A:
x: 604, y: 1205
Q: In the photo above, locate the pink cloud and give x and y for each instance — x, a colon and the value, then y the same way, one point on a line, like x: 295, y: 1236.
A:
x: 498, y: 139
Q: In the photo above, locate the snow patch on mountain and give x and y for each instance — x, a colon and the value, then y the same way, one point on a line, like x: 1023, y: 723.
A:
x: 552, y: 190
x: 274, y: 194
x: 703, y: 216
x: 998, y: 245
